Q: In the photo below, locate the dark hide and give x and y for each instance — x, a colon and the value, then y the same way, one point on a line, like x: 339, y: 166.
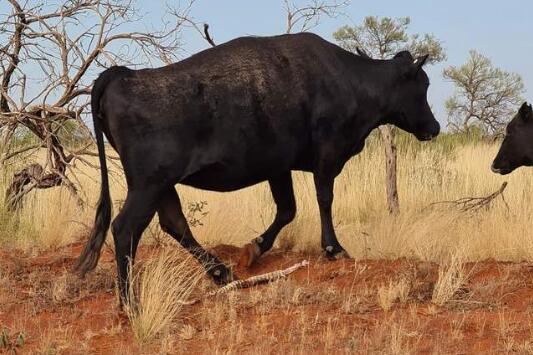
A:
x: 246, y: 111
x: 517, y: 146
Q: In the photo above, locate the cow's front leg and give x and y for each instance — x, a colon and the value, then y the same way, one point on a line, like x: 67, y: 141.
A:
x: 324, y: 191
x: 283, y: 194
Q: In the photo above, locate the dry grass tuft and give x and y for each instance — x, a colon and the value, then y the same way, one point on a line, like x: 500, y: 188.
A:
x: 398, y: 343
x: 5, y: 280
x: 394, y: 291
x: 158, y: 290
x: 59, y: 289
x: 187, y: 332
x: 452, y: 276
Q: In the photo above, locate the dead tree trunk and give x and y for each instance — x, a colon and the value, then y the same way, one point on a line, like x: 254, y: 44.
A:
x: 34, y: 176
x: 387, y: 136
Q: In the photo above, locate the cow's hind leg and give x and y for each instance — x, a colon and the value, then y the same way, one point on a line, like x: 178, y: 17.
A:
x: 174, y: 223
x: 137, y: 212
x: 283, y: 194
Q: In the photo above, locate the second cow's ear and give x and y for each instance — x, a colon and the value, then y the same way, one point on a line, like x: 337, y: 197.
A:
x: 526, y: 112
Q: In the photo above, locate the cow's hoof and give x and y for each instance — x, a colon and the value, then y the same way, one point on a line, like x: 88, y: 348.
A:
x: 221, y: 275
x: 336, y: 253
x: 249, y: 255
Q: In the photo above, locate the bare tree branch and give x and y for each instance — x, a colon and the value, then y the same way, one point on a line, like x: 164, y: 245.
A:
x: 13, y: 56
x: 306, y: 17
x: 51, y: 56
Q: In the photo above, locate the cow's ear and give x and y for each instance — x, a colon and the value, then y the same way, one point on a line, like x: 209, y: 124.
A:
x: 526, y: 112
x: 420, y: 61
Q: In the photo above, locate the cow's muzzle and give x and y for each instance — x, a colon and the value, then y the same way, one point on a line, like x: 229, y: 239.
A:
x: 426, y: 137
x: 430, y: 132
x: 501, y: 171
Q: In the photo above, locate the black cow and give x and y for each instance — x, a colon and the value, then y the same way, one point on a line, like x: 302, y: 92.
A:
x: 246, y: 111
x: 517, y: 146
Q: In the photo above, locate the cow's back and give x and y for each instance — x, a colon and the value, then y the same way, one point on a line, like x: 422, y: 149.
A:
x: 289, y: 66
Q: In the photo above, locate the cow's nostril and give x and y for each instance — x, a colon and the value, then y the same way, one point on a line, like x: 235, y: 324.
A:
x: 427, y: 137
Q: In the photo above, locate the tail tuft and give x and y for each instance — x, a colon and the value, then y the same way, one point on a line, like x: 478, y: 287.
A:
x: 90, y: 255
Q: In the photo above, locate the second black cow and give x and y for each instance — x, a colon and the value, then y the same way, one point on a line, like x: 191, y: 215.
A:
x: 517, y: 147
x: 250, y: 110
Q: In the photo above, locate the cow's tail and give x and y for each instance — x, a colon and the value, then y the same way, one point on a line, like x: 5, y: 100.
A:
x: 88, y: 258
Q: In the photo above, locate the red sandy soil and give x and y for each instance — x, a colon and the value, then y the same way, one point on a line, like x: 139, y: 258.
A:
x: 328, y: 307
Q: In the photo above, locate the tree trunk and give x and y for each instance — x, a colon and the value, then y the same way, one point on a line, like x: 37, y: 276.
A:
x: 387, y: 136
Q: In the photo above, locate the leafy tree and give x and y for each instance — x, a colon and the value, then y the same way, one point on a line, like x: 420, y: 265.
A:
x: 382, y: 38
x: 485, y: 96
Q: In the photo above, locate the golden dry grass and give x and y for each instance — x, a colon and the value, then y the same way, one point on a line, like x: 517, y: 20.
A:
x: 428, y: 173
x: 158, y: 292
x: 452, y: 276
x: 394, y: 291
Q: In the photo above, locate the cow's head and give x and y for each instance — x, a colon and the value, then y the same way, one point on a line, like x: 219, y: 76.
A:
x: 408, y: 105
x: 517, y: 146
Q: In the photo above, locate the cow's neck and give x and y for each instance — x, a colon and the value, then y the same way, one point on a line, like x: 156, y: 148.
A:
x: 372, y: 87
x: 377, y: 82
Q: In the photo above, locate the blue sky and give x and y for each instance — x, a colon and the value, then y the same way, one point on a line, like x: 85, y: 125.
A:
x: 503, y: 31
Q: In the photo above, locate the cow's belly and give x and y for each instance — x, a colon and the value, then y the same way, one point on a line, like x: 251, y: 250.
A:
x: 229, y: 174
x: 216, y: 177
x: 242, y: 165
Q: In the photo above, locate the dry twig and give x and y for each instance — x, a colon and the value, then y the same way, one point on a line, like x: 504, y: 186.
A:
x: 475, y: 204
